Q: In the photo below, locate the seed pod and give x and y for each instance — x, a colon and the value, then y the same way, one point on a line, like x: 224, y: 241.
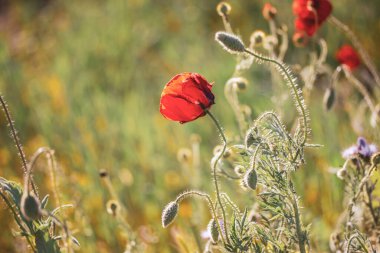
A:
x: 329, y: 98
x: 239, y: 83
x: 269, y: 11
x: 113, y: 207
x: 257, y: 38
x: 341, y: 173
x: 184, y: 155
x: 230, y: 42
x: 30, y: 207
x: 169, y: 213
x: 213, y: 230
x: 300, y: 39
x: 239, y: 170
x: 250, y: 179
x: 223, y: 9
x: 375, y: 159
x: 103, y: 173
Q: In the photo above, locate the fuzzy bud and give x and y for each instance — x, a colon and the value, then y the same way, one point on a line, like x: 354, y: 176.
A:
x: 169, y: 213
x: 329, y: 98
x: 230, y: 42
x: 30, y: 207
x: 250, y: 179
x: 113, y: 207
x: 223, y: 9
x: 375, y: 159
x: 213, y: 230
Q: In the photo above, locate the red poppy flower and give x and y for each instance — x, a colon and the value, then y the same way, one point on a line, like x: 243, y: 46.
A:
x: 185, y: 96
x: 311, y: 14
x: 348, y: 56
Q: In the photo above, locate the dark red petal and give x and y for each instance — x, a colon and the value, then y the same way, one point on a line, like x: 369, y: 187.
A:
x: 179, y: 109
x: 307, y: 25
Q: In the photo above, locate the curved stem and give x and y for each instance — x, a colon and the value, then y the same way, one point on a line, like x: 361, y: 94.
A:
x: 215, y: 121
x: 296, y: 92
x: 210, y: 203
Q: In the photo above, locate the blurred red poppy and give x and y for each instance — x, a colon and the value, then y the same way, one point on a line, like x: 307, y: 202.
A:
x: 185, y: 97
x: 311, y: 14
x: 348, y: 56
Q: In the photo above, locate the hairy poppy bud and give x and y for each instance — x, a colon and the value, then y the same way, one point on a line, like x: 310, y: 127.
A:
x: 269, y: 12
x: 230, y: 42
x: 169, y: 213
x: 30, y: 206
x: 213, y: 230
x: 329, y: 98
x: 223, y: 9
x: 185, y: 97
x: 113, y: 207
x: 250, y: 179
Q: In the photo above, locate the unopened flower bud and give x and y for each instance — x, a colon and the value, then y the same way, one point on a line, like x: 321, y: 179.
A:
x: 223, y: 9
x: 230, y: 42
x: 329, y: 98
x: 213, y: 230
x: 250, y: 179
x: 269, y: 12
x: 113, y: 207
x: 30, y: 207
x: 169, y: 213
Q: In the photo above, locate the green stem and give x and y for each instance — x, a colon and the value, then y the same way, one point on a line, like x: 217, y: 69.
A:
x: 297, y: 95
x: 300, y: 232
x: 214, y: 171
x: 17, y: 220
x: 210, y: 203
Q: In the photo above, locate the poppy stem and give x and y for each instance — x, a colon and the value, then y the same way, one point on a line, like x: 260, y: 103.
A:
x: 214, y: 171
x: 296, y: 92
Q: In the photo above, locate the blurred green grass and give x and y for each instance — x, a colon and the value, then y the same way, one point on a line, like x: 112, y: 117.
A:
x: 85, y: 78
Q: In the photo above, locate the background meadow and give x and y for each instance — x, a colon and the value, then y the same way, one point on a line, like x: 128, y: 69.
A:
x: 85, y: 78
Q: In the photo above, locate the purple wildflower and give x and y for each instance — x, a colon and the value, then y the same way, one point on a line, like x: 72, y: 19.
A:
x: 361, y: 148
